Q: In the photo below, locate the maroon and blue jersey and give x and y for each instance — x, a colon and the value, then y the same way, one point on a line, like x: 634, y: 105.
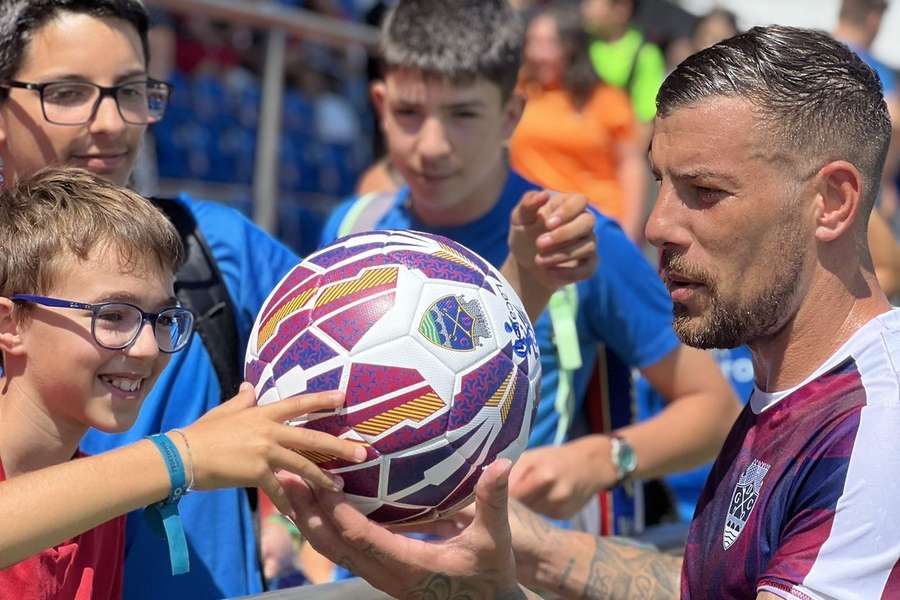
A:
x: 804, y: 499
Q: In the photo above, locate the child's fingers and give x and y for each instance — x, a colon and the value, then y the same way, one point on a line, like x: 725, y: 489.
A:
x: 298, y: 464
x: 245, y: 398
x: 301, y: 404
x: 526, y: 212
x: 303, y: 439
x: 577, y: 250
x: 572, y: 272
x: 562, y: 208
x: 578, y: 227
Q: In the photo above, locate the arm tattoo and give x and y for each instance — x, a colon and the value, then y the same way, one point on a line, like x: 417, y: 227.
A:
x: 608, y: 568
x: 442, y: 587
x: 623, y: 570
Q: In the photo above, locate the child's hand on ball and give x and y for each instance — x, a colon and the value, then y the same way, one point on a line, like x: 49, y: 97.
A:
x: 239, y: 444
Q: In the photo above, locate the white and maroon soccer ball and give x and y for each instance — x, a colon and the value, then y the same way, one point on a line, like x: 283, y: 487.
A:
x: 434, y: 351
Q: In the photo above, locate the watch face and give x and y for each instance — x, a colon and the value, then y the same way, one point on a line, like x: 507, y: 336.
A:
x: 627, y: 457
x: 624, y: 457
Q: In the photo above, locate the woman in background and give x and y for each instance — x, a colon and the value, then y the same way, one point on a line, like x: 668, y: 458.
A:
x: 577, y: 134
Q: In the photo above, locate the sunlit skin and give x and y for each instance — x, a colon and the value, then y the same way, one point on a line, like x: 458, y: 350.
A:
x: 55, y: 340
x: 77, y: 47
x: 447, y: 141
x: 746, y: 230
x: 710, y: 196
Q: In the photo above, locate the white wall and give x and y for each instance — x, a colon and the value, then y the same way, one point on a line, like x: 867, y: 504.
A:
x: 820, y: 14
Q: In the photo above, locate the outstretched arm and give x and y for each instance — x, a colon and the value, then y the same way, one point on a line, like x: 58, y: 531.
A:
x: 487, y: 551
x: 570, y: 564
x: 45, y: 507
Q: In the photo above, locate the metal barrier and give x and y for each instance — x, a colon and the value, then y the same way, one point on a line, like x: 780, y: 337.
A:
x: 280, y: 23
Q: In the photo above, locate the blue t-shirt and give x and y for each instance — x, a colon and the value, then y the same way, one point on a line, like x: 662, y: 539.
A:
x: 218, y: 525
x: 737, y: 367
x: 623, y: 307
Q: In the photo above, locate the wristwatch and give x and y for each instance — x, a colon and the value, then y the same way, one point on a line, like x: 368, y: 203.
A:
x: 623, y: 458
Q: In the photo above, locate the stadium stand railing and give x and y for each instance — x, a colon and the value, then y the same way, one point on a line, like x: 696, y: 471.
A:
x: 310, y: 168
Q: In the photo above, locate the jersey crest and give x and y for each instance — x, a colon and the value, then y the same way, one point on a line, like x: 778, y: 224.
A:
x: 743, y: 499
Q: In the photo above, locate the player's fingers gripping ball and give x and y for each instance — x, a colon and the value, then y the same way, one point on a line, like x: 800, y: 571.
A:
x: 433, y: 350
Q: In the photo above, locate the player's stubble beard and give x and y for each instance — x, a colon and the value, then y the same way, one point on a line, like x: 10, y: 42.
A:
x: 727, y: 323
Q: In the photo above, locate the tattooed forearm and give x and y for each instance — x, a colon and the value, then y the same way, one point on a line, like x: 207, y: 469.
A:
x: 442, y: 587
x: 623, y: 570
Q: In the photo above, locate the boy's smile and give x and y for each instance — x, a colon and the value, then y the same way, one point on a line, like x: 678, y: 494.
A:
x: 82, y: 382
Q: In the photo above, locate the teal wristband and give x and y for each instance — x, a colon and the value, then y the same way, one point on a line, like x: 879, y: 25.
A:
x: 163, y: 516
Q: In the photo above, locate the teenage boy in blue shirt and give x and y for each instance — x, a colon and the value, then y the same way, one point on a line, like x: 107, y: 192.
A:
x: 447, y: 105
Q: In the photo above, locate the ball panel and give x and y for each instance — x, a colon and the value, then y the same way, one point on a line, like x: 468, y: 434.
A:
x: 486, y: 383
x: 434, y: 267
x: 286, y: 332
x: 406, y: 471
x: 350, y: 325
x: 447, y: 477
x: 301, y: 276
x: 304, y: 352
x: 368, y: 283
x: 370, y: 381
x: 330, y: 380
x: 388, y: 513
x: 333, y: 255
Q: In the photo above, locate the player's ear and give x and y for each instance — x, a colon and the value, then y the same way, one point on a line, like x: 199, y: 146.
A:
x: 376, y: 92
x: 10, y: 338
x: 839, y: 187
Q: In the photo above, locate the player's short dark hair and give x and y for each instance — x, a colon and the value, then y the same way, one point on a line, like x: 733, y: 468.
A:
x: 19, y: 19
x: 817, y: 99
x: 456, y: 40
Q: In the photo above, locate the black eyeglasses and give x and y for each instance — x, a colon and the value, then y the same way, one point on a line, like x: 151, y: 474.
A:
x: 76, y: 102
x: 116, y: 325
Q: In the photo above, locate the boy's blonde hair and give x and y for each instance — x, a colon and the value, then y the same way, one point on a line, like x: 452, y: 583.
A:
x: 66, y: 212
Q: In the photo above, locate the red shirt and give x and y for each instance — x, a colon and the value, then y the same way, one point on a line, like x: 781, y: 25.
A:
x: 86, y: 567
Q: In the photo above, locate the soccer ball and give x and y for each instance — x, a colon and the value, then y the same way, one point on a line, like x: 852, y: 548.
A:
x: 433, y: 350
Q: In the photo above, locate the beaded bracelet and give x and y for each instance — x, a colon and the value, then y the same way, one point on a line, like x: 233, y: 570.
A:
x: 163, y: 516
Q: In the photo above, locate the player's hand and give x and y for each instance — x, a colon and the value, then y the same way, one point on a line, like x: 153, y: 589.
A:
x: 557, y: 481
x: 239, y: 444
x: 530, y: 531
x: 552, y: 238
x: 476, y: 563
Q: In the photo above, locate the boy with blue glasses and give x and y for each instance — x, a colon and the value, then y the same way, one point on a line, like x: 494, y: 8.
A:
x: 88, y: 321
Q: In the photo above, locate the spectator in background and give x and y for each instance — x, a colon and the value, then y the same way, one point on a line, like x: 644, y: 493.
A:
x: 859, y: 22
x: 577, y: 134
x: 713, y: 27
x: 624, y: 58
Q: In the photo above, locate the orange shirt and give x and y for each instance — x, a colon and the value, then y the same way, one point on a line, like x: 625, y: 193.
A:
x: 567, y: 150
